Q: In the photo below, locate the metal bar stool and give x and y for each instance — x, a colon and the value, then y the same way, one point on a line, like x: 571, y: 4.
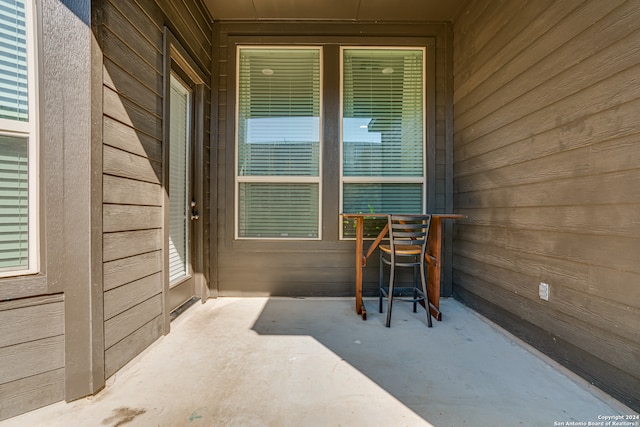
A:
x: 407, y: 247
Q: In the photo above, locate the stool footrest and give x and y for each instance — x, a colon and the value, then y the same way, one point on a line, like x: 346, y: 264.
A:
x: 403, y: 293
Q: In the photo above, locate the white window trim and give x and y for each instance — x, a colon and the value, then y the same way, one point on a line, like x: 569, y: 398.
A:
x: 383, y: 179
x: 276, y: 179
x: 29, y: 130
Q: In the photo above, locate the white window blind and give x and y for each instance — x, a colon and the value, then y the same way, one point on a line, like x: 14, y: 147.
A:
x: 292, y: 208
x: 14, y: 203
x: 179, y: 131
x: 18, y: 140
x: 383, y: 135
x: 14, y: 103
x: 278, y: 142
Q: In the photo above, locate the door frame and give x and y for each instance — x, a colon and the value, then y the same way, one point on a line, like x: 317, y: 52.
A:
x: 176, y: 57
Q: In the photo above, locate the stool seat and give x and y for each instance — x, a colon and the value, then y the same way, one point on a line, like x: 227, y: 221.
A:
x: 402, y: 249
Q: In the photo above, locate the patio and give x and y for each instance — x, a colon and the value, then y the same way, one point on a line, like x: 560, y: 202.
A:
x: 291, y: 362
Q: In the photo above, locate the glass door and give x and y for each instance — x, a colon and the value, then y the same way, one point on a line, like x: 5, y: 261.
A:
x: 181, y: 205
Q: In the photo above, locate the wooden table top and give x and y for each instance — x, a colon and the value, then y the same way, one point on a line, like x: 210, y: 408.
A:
x: 379, y: 215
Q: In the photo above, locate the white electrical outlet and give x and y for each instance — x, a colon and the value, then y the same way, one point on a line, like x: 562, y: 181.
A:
x: 543, y: 291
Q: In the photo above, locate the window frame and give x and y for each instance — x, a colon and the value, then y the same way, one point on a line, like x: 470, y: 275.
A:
x: 425, y: 134
x: 29, y: 130
x: 284, y: 179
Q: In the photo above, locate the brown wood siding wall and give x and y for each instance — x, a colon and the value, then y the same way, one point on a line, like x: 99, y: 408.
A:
x: 32, y: 355
x: 132, y: 41
x: 321, y: 268
x: 546, y: 166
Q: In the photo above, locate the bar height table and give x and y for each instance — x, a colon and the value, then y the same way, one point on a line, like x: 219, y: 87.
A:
x: 433, y: 257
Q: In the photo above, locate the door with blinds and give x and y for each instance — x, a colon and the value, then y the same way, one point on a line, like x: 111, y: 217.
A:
x: 182, y: 209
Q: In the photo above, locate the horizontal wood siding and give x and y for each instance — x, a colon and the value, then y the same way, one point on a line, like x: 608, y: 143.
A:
x: 124, y: 297
x: 31, y: 355
x: 126, y: 349
x: 31, y: 393
x: 322, y: 268
x: 305, y: 276
x: 120, y: 327
x: 124, y: 270
x: 546, y: 166
x: 132, y: 42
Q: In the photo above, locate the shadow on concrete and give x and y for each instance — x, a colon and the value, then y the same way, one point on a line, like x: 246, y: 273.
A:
x: 463, y: 371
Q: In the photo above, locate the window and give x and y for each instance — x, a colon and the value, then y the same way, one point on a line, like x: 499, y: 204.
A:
x: 382, y: 132
x: 18, y: 140
x: 278, y: 180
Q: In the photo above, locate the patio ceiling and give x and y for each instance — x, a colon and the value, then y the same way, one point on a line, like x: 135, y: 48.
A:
x: 335, y: 10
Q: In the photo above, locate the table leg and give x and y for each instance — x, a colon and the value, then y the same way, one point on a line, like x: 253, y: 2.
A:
x: 360, y: 308
x: 434, y: 248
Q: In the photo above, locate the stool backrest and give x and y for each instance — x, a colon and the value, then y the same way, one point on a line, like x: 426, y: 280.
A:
x: 409, y: 230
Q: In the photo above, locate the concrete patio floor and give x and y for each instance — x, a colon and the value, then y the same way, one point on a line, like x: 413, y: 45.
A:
x: 313, y: 362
